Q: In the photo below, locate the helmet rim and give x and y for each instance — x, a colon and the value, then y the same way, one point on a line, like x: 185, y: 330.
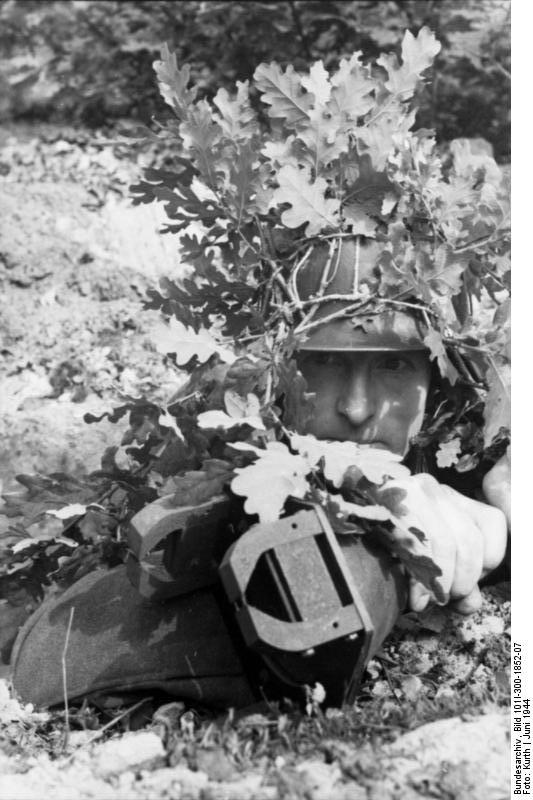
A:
x: 385, y: 331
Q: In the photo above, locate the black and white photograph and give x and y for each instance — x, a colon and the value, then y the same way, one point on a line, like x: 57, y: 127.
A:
x: 255, y: 370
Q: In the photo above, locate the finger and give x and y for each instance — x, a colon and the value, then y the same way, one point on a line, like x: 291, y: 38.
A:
x: 468, y: 560
x: 443, y: 553
x: 419, y: 596
x: 469, y: 604
x: 429, y: 511
x: 493, y: 526
x: 494, y: 529
x: 496, y: 486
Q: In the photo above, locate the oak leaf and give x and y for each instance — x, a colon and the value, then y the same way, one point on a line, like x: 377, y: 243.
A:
x: 198, y: 486
x: 240, y: 411
x: 237, y: 118
x: 359, y: 220
x: 175, y: 337
x: 67, y: 512
x: 200, y: 133
x: 343, y: 508
x: 281, y: 152
x: 448, y: 453
x: 381, y: 135
x: 322, y: 139
x: 269, y: 481
x: 447, y: 276
x: 283, y: 92
x: 352, y: 93
x: 307, y: 200
x: 317, y: 83
x: 435, y: 345
x: 374, y: 463
x: 173, y: 82
x: 417, y: 55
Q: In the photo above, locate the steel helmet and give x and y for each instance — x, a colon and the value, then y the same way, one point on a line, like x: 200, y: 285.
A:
x: 341, y: 272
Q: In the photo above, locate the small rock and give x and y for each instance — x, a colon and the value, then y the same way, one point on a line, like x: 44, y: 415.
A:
x: 131, y: 751
x: 79, y: 738
x: 381, y: 689
x: 471, y: 631
x: 216, y: 765
x: 411, y: 687
x: 319, y: 778
x: 8, y: 765
x: 159, y: 783
x: 192, y: 783
x: 445, y: 693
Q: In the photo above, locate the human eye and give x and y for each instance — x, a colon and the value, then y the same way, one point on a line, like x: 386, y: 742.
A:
x: 396, y: 364
x: 326, y: 359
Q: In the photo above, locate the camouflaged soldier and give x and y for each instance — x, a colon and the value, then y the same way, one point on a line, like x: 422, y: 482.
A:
x: 222, y: 622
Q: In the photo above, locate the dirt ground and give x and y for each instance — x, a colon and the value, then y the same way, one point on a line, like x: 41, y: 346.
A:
x: 75, y: 261
x: 432, y: 721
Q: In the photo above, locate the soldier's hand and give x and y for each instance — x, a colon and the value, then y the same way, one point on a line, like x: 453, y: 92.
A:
x: 465, y: 538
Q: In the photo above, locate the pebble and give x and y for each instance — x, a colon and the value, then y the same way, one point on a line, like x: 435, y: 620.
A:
x: 131, y: 751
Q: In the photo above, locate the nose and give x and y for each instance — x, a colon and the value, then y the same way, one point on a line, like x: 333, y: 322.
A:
x: 355, y: 401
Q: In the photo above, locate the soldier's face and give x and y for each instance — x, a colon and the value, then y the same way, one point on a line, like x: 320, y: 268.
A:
x: 375, y: 398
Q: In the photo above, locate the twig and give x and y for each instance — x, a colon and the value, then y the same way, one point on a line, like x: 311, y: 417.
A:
x: 478, y: 662
x: 109, y: 725
x: 426, y: 318
x: 324, y: 281
x: 64, y: 673
x: 355, y: 283
x: 352, y: 298
x: 278, y: 278
x: 344, y: 312
x: 268, y: 389
x: 337, y: 234
x: 481, y: 240
x: 498, y: 375
x: 285, y: 430
x: 328, y: 298
x: 391, y: 687
x: 403, y: 304
x: 294, y: 275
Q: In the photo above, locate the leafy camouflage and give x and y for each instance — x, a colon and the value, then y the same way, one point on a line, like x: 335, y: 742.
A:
x: 250, y: 203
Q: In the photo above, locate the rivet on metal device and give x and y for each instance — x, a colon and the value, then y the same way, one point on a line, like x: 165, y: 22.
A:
x: 352, y: 637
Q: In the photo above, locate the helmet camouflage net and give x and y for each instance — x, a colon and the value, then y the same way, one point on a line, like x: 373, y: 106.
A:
x: 311, y: 215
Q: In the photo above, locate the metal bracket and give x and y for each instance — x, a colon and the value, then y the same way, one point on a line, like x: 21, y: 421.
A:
x: 297, y: 604
x: 196, y: 538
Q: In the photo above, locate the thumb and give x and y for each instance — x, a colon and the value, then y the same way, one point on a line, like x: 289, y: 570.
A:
x: 469, y: 604
x: 419, y: 596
